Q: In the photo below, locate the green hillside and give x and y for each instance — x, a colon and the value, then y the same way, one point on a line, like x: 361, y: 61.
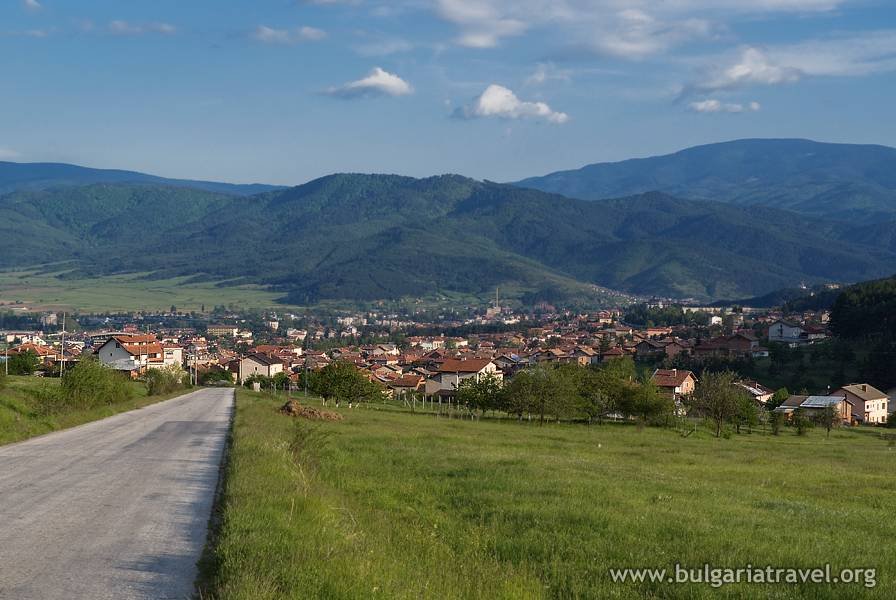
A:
x: 370, y: 237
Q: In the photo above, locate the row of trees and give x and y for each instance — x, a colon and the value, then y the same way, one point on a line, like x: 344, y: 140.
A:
x: 341, y: 382
x: 616, y: 389
x: 571, y: 392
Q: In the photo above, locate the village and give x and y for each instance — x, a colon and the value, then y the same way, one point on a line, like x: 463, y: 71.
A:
x: 427, y: 358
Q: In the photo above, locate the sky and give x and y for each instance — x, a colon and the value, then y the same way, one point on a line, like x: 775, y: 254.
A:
x: 283, y: 91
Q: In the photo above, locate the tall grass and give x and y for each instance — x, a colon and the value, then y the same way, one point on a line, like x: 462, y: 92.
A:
x: 406, y: 505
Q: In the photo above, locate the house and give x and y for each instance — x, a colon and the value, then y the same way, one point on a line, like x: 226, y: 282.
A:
x: 785, y: 332
x: 676, y: 347
x: 584, y: 356
x: 757, y: 391
x: 675, y: 382
x: 172, y: 356
x: 451, y: 372
x: 612, y: 353
x: 869, y: 404
x: 814, y: 405
x: 133, y: 353
x: 223, y: 330
x: 649, y: 348
x: 407, y: 384
x: 259, y: 364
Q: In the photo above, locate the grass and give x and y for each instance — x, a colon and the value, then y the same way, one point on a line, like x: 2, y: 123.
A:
x: 39, y: 290
x: 398, y: 505
x: 19, y: 419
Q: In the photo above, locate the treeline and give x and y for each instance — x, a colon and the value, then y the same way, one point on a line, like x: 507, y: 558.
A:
x: 571, y: 392
x: 646, y: 316
x: 866, y: 314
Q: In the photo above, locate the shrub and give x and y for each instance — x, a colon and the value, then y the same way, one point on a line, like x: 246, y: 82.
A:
x: 164, y: 381
x: 87, y: 385
x: 24, y: 363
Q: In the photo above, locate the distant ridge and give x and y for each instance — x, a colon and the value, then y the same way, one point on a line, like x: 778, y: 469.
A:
x: 848, y: 182
x: 39, y: 176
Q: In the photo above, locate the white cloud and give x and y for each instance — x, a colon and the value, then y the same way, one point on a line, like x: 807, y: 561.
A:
x: 119, y: 27
x: 851, y: 55
x: 377, y: 83
x: 624, y: 28
x: 8, y: 154
x: 482, y: 23
x: 716, y: 106
x: 32, y: 5
x: 754, y: 67
x: 498, y: 101
x: 269, y: 35
x: 635, y: 34
x: 545, y: 72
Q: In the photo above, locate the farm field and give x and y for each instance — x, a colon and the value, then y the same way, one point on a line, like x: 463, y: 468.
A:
x: 393, y: 504
x: 46, y: 291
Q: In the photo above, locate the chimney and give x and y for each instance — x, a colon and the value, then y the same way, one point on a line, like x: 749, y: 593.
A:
x: 864, y: 387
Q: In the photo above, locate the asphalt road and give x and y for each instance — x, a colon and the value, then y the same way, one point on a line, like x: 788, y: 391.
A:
x: 117, y: 508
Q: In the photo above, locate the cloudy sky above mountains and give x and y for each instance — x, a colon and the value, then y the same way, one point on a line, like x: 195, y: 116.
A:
x: 282, y: 91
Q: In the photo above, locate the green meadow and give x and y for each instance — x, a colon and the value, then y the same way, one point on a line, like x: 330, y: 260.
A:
x: 393, y: 504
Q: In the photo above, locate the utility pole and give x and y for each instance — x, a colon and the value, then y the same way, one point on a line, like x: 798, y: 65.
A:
x: 62, y: 364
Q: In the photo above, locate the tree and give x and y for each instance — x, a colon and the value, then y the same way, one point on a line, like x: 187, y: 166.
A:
x: 482, y: 394
x: 747, y: 414
x: 800, y: 421
x: 542, y: 390
x: 645, y: 403
x: 717, y: 398
x: 616, y: 382
x: 827, y: 418
x: 23, y: 363
x: 774, y: 421
x: 281, y: 381
x: 778, y: 398
x: 343, y: 382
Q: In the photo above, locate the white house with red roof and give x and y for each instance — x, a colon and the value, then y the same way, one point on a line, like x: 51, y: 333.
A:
x: 134, y: 353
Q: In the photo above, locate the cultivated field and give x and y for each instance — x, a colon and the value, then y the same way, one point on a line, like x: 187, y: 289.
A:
x: 43, y: 291
x: 398, y: 505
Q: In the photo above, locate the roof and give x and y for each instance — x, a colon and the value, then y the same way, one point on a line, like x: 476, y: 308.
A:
x: 142, y: 349
x: 264, y: 359
x: 821, y: 401
x: 671, y: 377
x: 473, y: 365
x: 864, y: 391
x: 793, y: 401
x: 135, y: 338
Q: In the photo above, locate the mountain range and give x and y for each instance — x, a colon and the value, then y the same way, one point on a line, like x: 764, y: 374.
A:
x: 849, y: 182
x: 39, y: 176
x: 371, y: 237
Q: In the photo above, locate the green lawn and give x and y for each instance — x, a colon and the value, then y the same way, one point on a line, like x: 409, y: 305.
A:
x: 19, y: 419
x: 397, y: 505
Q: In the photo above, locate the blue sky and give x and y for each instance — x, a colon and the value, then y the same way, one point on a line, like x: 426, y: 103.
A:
x: 282, y: 91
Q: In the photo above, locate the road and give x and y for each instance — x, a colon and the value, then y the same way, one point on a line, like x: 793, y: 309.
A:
x: 116, y: 508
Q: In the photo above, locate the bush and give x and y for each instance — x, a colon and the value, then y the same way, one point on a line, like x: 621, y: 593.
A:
x: 164, y: 381
x: 25, y: 363
x: 87, y: 385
